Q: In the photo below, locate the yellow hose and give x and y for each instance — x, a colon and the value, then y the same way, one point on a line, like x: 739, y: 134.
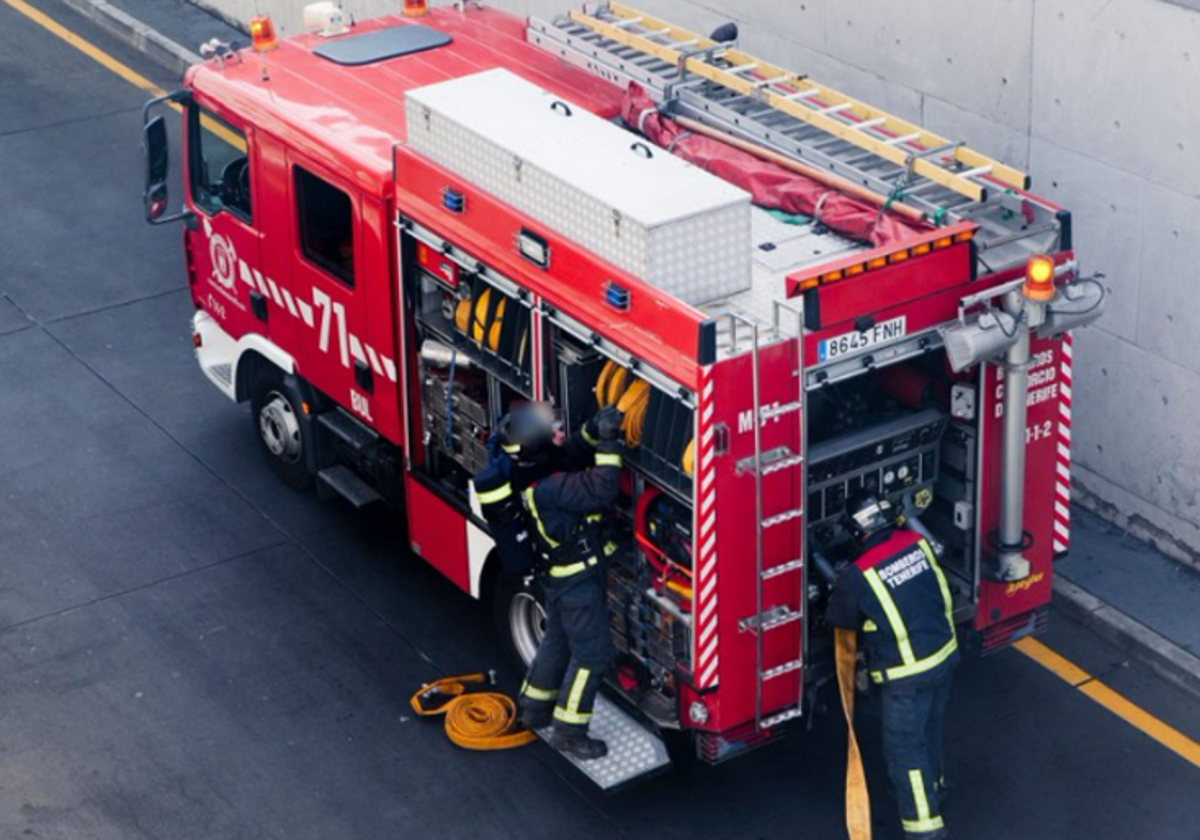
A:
x: 616, y: 385
x: 601, y: 389
x: 478, y: 721
x: 478, y: 323
x: 858, y: 802
x: 494, y: 330
x: 462, y: 315
x: 688, y: 461
x: 633, y: 405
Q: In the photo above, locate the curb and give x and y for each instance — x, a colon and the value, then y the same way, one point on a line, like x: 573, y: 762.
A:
x: 1164, y: 657
x: 149, y: 41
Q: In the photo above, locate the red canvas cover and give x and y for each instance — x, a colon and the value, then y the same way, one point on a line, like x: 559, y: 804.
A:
x: 771, y: 185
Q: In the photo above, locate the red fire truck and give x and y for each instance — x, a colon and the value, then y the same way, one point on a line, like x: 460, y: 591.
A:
x: 398, y: 229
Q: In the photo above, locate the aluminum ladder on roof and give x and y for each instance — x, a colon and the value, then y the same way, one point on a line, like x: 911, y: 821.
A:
x: 789, y: 114
x: 779, y: 617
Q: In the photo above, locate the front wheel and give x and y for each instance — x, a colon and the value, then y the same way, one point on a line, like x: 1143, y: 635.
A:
x: 283, y: 431
x: 519, y: 616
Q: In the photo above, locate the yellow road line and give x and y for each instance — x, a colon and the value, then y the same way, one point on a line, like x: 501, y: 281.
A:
x: 90, y: 50
x: 1134, y: 715
x: 123, y: 70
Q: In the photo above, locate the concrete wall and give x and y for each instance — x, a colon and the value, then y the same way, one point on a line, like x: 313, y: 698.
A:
x: 1100, y: 101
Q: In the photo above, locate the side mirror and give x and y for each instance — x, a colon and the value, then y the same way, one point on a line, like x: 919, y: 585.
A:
x: 154, y: 143
x: 158, y: 163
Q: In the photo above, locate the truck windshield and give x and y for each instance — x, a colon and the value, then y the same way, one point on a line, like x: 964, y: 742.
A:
x: 220, y: 168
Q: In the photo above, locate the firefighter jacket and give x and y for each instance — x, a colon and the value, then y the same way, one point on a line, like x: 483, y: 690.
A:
x: 897, y: 593
x: 566, y: 510
x: 498, y: 488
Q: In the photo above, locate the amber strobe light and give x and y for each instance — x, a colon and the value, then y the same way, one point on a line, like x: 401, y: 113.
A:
x: 415, y: 8
x: 1039, y: 278
x: 262, y: 33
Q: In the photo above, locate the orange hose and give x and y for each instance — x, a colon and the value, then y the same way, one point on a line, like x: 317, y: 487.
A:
x: 478, y: 721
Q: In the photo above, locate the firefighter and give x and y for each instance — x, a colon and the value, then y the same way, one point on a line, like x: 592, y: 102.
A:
x: 565, y: 510
x: 896, y: 593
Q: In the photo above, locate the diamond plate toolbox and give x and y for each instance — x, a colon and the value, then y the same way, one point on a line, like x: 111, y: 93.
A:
x: 659, y: 218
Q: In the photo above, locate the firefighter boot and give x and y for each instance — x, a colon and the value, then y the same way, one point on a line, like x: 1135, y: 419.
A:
x: 573, y: 740
x: 536, y: 717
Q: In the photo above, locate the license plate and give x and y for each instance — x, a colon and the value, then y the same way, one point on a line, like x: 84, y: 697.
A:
x: 850, y: 343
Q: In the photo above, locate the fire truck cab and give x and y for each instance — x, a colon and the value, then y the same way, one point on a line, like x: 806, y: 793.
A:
x: 396, y: 231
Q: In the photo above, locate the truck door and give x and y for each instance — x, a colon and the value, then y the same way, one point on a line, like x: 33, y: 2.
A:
x: 327, y: 274
x: 222, y: 181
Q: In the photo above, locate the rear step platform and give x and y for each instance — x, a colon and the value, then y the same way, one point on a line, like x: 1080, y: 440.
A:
x: 634, y: 752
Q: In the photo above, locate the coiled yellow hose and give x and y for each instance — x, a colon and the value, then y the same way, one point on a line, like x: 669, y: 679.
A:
x: 483, y: 720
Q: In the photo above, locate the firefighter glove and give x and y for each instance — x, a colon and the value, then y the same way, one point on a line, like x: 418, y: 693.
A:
x: 606, y: 425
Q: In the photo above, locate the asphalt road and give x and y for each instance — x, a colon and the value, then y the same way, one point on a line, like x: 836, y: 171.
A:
x: 190, y: 650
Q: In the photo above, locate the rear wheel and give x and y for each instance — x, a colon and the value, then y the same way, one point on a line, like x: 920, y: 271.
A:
x: 283, y: 431
x: 519, y: 616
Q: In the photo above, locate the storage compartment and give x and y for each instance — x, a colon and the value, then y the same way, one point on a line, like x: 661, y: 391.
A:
x: 588, y: 180
x: 474, y: 360
x: 650, y: 578
x: 891, y: 431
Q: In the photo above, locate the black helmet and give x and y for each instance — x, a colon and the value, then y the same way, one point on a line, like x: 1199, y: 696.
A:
x: 869, y: 513
x: 527, y: 432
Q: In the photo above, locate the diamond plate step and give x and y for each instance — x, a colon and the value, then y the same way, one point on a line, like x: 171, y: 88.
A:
x: 780, y: 670
x: 633, y: 750
x: 782, y: 569
x: 770, y: 413
x: 783, y: 464
x: 771, y: 619
x: 779, y: 519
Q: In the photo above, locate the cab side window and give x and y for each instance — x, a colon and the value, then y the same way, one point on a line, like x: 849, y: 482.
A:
x: 220, y: 168
x: 326, y: 225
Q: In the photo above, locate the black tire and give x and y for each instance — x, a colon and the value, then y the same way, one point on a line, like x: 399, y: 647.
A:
x: 518, y: 616
x: 283, y: 431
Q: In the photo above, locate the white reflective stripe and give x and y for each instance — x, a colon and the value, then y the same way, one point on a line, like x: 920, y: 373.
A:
x: 493, y: 496
x: 275, y: 292
x: 291, y: 304
x: 869, y: 626
x: 893, y: 616
x: 306, y: 313
x: 608, y: 459
x: 581, y: 678
x: 919, y: 798
x: 375, y: 365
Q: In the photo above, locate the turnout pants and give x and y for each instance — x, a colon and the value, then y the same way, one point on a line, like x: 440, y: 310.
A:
x: 913, y: 713
x: 575, y: 652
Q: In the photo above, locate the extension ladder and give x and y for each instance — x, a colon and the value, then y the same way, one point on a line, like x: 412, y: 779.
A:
x: 728, y: 90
